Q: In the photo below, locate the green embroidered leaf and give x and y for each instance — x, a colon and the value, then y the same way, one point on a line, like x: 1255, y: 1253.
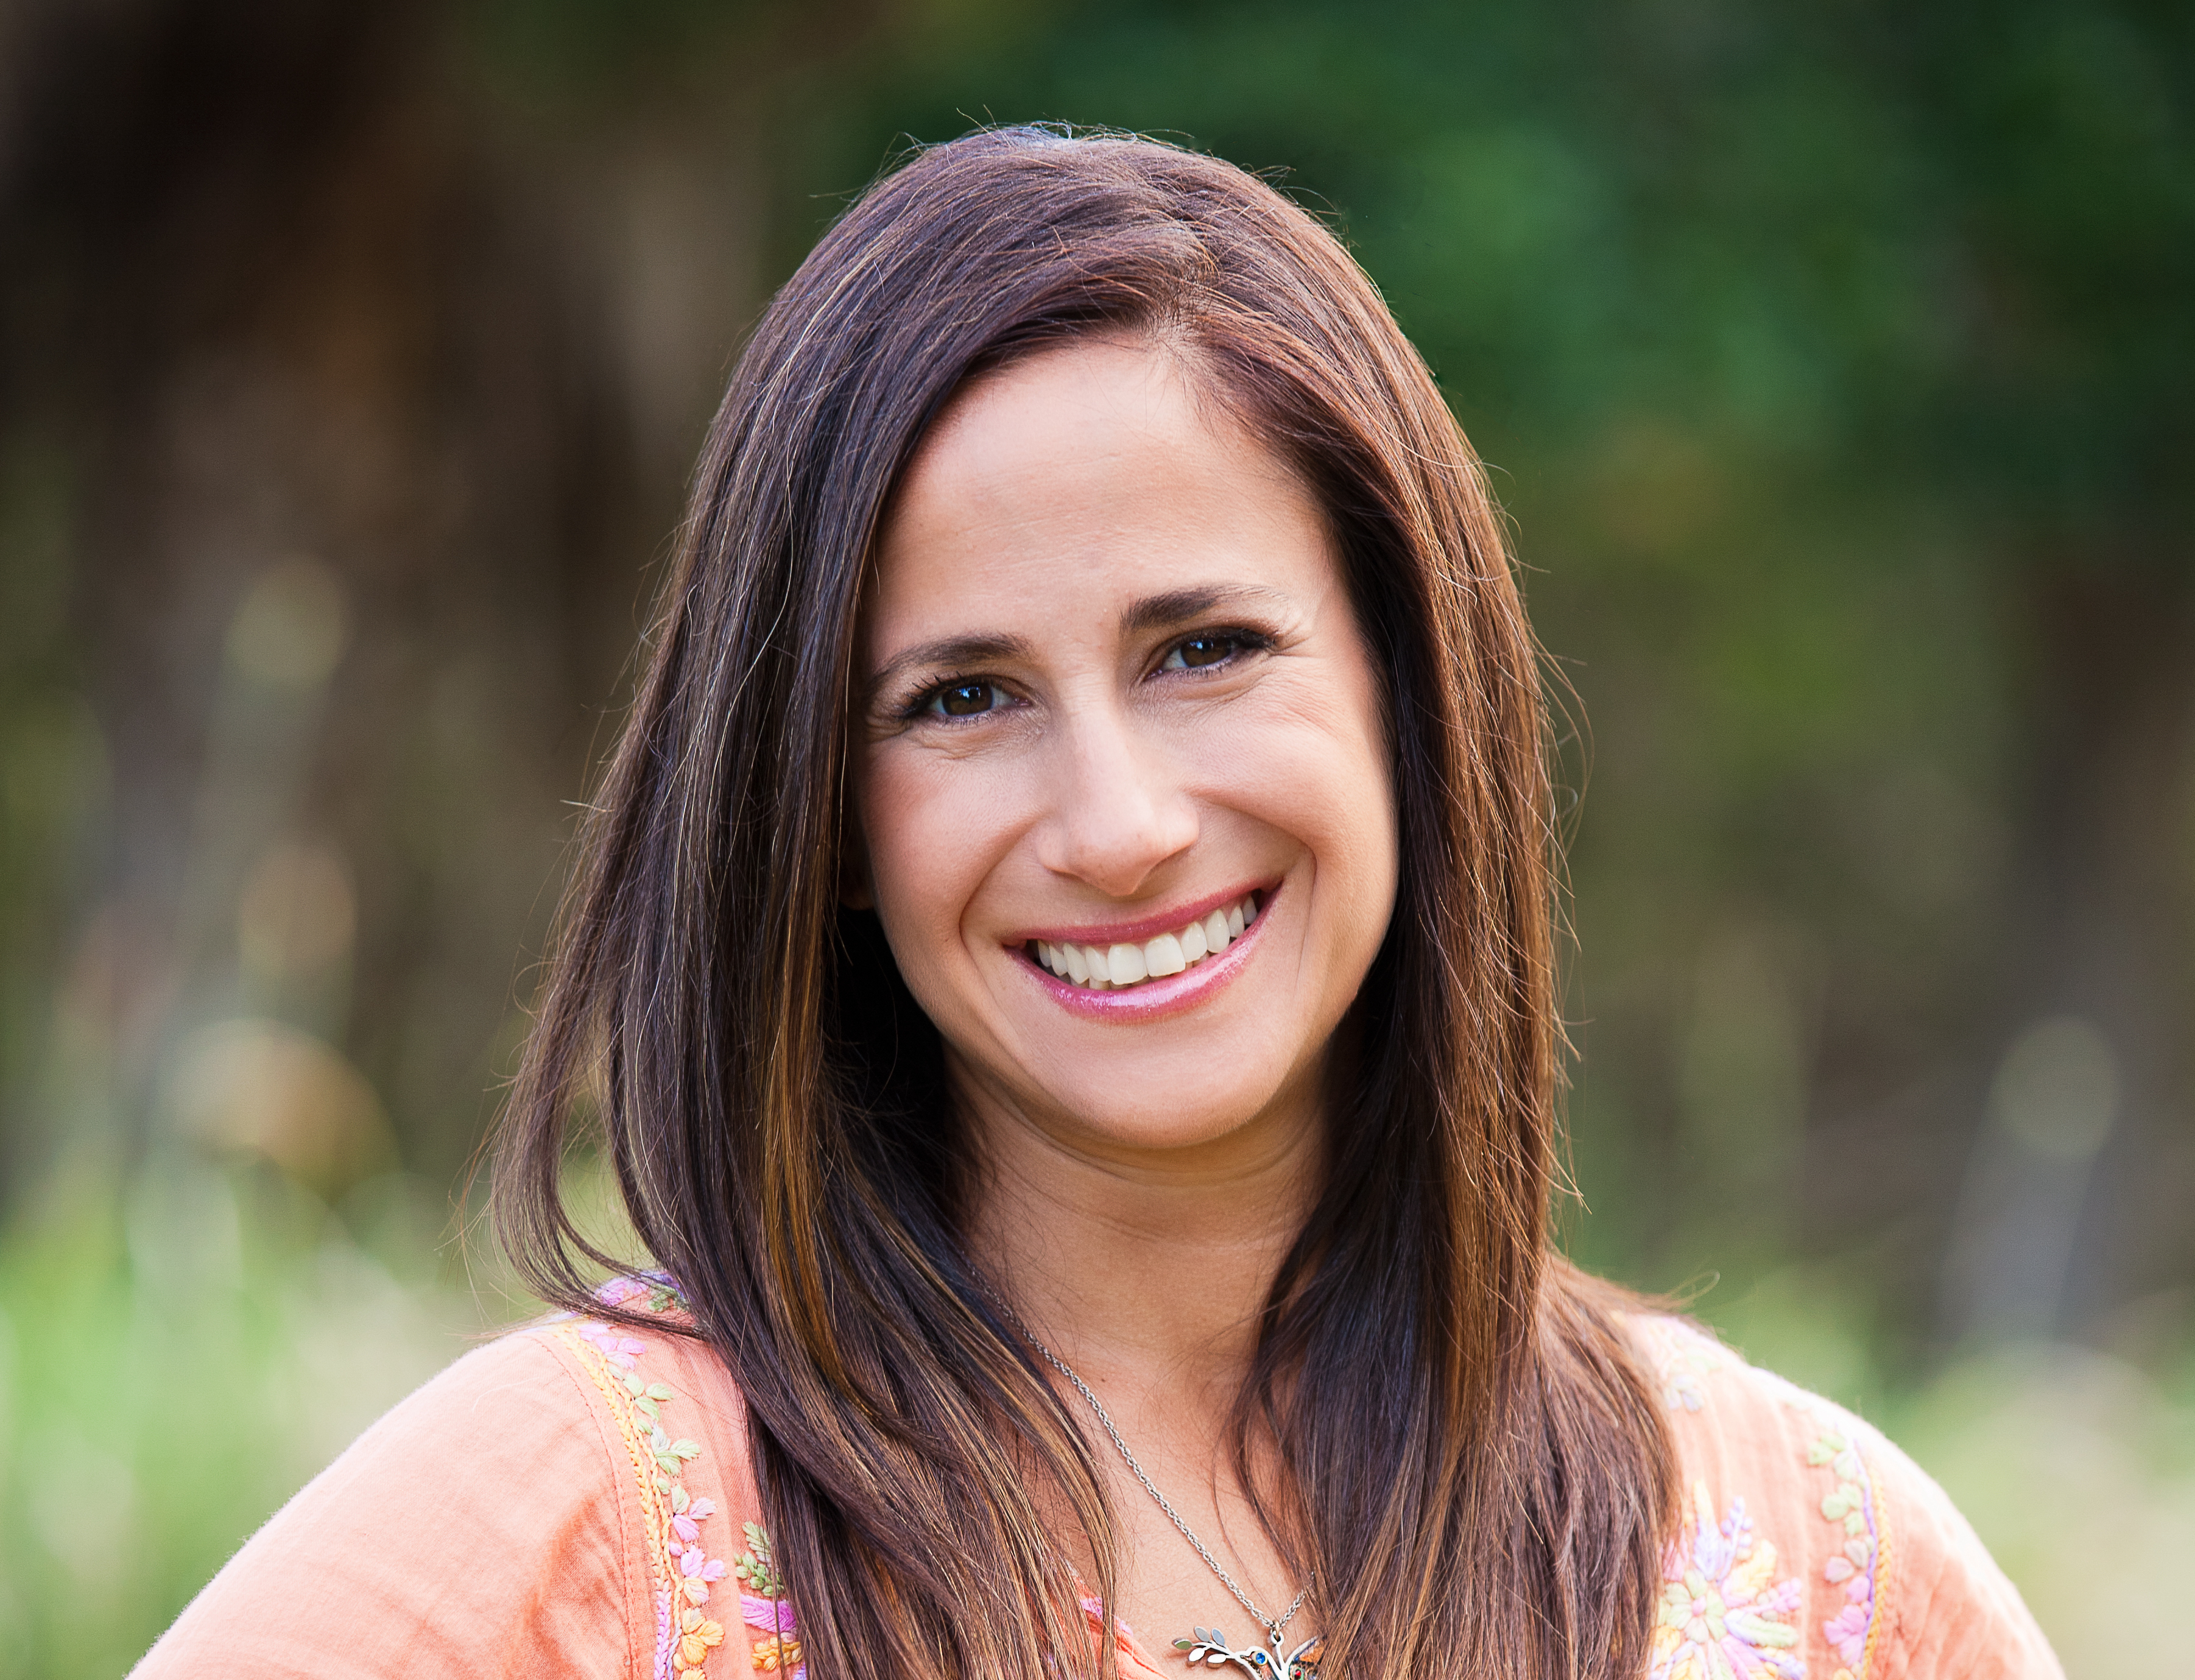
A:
x: 647, y: 1406
x: 1856, y: 1522
x: 679, y: 1501
x: 1834, y: 1505
x: 660, y: 1391
x: 1759, y: 1630
x: 663, y: 1484
x: 754, y: 1567
x: 1820, y: 1453
x: 686, y: 1449
x: 634, y: 1385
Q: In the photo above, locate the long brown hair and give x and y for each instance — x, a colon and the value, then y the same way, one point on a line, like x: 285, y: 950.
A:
x: 1466, y: 1457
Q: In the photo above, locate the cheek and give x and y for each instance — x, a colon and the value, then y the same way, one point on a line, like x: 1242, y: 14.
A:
x: 928, y: 852
x: 1355, y: 838
x: 1372, y: 779
x: 1320, y: 773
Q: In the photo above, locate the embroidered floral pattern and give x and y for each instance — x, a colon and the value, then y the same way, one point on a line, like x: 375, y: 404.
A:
x: 1682, y: 1356
x: 1852, y: 1504
x: 679, y: 1563
x: 1723, y: 1613
x: 765, y: 1607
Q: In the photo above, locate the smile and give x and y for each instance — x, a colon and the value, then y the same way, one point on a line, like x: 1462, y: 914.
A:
x: 1124, y: 966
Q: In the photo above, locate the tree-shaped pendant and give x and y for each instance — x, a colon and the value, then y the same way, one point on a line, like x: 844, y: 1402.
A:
x: 1210, y: 1648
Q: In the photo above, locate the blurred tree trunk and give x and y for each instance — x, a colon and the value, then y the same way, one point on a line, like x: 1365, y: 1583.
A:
x: 370, y: 401
x: 2085, y: 1163
x: 2069, y: 426
x: 2110, y: 708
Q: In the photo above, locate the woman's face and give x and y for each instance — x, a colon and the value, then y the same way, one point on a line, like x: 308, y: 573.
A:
x: 1123, y: 781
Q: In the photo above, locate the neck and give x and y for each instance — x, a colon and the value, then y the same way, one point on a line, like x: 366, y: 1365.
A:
x: 1149, y: 1263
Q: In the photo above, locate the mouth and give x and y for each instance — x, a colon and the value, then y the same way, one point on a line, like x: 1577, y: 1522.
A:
x: 1126, y: 966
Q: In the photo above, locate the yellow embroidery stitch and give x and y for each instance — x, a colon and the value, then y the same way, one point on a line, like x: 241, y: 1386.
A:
x: 681, y: 1571
x: 1854, y: 1504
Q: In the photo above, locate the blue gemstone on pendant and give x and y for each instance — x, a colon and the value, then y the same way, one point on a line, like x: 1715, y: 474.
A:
x: 1259, y: 1658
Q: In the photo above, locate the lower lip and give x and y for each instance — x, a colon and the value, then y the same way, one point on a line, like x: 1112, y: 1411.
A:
x: 1153, y: 1000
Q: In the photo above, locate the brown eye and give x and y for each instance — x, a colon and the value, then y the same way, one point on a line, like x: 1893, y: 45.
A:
x: 966, y: 699
x: 1200, y: 650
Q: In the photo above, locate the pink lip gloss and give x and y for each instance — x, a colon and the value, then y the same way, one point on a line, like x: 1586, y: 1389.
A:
x: 1153, y: 1000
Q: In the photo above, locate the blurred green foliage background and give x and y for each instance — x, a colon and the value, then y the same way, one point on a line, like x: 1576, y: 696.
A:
x: 1835, y: 361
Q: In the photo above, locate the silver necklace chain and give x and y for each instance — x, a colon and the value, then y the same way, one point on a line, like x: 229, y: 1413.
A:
x: 1272, y: 1628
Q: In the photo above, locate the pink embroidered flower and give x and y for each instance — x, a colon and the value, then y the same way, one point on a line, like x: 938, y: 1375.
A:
x: 682, y: 1644
x: 618, y: 1291
x: 698, y: 1569
x: 1849, y: 1504
x: 771, y: 1615
x: 621, y: 1351
x: 1722, y: 1612
x: 1847, y: 1629
x: 780, y: 1652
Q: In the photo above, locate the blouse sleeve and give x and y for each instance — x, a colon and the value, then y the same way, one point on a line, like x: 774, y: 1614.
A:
x: 1809, y: 1548
x: 1956, y: 1615
x: 475, y: 1530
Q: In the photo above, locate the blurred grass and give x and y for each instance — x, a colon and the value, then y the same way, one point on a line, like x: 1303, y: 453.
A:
x: 2078, y: 1470
x: 2075, y: 1466
x: 175, y: 1363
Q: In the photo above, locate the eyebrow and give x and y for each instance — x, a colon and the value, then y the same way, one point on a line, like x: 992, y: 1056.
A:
x: 1152, y: 612
x: 952, y: 650
x: 1155, y: 612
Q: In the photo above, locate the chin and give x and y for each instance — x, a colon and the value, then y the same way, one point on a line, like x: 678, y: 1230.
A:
x: 1154, y: 1115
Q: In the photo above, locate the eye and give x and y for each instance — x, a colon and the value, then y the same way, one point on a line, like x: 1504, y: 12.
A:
x: 964, y: 700
x: 1194, y: 652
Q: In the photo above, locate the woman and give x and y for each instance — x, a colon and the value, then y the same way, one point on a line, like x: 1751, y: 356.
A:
x: 1064, y: 967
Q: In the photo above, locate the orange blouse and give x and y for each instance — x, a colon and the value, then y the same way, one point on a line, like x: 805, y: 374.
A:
x: 575, y: 1498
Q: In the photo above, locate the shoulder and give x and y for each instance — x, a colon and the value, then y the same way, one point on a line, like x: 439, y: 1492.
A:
x: 553, y: 1502
x: 677, y: 1416
x: 1807, y: 1544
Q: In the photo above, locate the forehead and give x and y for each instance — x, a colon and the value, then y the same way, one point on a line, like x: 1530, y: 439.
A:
x: 1095, y: 469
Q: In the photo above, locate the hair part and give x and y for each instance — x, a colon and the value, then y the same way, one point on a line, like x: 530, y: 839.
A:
x: 1465, y: 1454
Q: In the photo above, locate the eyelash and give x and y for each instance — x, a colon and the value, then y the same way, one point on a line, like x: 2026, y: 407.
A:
x: 1240, y: 641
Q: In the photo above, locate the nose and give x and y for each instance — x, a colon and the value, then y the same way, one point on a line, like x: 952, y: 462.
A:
x: 1117, y: 809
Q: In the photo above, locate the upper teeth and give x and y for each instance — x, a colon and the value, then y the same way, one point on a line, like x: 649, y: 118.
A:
x: 1099, y: 967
